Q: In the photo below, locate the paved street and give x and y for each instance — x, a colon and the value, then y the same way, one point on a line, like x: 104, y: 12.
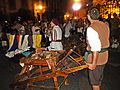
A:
x: 77, y: 81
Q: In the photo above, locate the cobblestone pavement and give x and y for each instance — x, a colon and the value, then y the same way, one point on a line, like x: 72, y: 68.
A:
x: 77, y: 81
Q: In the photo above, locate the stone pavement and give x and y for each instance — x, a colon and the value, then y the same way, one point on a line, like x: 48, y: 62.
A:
x: 77, y: 81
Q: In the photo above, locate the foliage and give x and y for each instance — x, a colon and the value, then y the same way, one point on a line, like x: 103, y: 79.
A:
x: 100, y: 2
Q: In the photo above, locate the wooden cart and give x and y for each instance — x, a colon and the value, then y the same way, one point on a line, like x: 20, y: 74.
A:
x: 44, y: 65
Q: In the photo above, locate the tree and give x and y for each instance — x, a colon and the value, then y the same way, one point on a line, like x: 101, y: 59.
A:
x: 100, y: 2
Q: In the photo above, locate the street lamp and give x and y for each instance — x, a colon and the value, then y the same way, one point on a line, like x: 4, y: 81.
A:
x: 40, y: 7
x: 76, y: 7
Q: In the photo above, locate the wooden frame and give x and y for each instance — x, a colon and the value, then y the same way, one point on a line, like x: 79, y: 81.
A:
x: 45, y: 68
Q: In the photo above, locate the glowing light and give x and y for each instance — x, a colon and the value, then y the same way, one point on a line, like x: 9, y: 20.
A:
x: 76, y: 6
x: 76, y: 0
x: 67, y: 15
x: 75, y: 18
x: 40, y: 7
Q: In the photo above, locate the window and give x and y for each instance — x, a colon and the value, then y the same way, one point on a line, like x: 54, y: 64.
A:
x: 12, y: 4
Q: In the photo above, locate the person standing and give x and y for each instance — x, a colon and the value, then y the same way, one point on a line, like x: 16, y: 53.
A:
x: 98, y: 43
x: 56, y: 36
x: 67, y: 27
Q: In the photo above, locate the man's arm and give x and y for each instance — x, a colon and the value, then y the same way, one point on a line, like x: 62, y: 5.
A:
x: 94, y: 60
x: 95, y: 57
x: 95, y: 45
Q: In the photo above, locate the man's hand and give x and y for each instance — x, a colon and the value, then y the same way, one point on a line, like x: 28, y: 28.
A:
x: 91, y: 66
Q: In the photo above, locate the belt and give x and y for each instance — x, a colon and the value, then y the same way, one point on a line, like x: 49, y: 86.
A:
x: 89, y: 52
x: 56, y: 40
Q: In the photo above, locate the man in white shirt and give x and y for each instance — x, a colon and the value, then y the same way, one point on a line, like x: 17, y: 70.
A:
x: 98, y: 43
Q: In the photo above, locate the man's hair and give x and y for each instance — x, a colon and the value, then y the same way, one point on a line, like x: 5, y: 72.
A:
x: 94, y: 13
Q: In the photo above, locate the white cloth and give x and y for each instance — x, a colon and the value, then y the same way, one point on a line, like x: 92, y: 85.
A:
x: 93, y: 39
x: 17, y: 51
x: 55, y: 46
x: 24, y: 45
x: 21, y: 47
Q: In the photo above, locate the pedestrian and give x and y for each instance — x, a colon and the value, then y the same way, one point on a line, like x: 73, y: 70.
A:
x: 98, y: 43
x: 55, y: 36
x: 67, y: 27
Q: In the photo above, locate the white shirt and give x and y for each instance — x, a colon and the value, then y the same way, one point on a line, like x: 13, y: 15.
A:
x: 67, y: 29
x: 93, y: 39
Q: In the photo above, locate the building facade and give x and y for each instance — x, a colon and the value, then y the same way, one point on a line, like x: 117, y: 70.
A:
x: 53, y: 7
x: 10, y: 6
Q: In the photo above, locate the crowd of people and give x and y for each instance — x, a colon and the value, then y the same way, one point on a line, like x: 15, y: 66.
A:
x: 71, y: 30
x: 44, y: 28
x: 114, y: 24
x: 69, y: 27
